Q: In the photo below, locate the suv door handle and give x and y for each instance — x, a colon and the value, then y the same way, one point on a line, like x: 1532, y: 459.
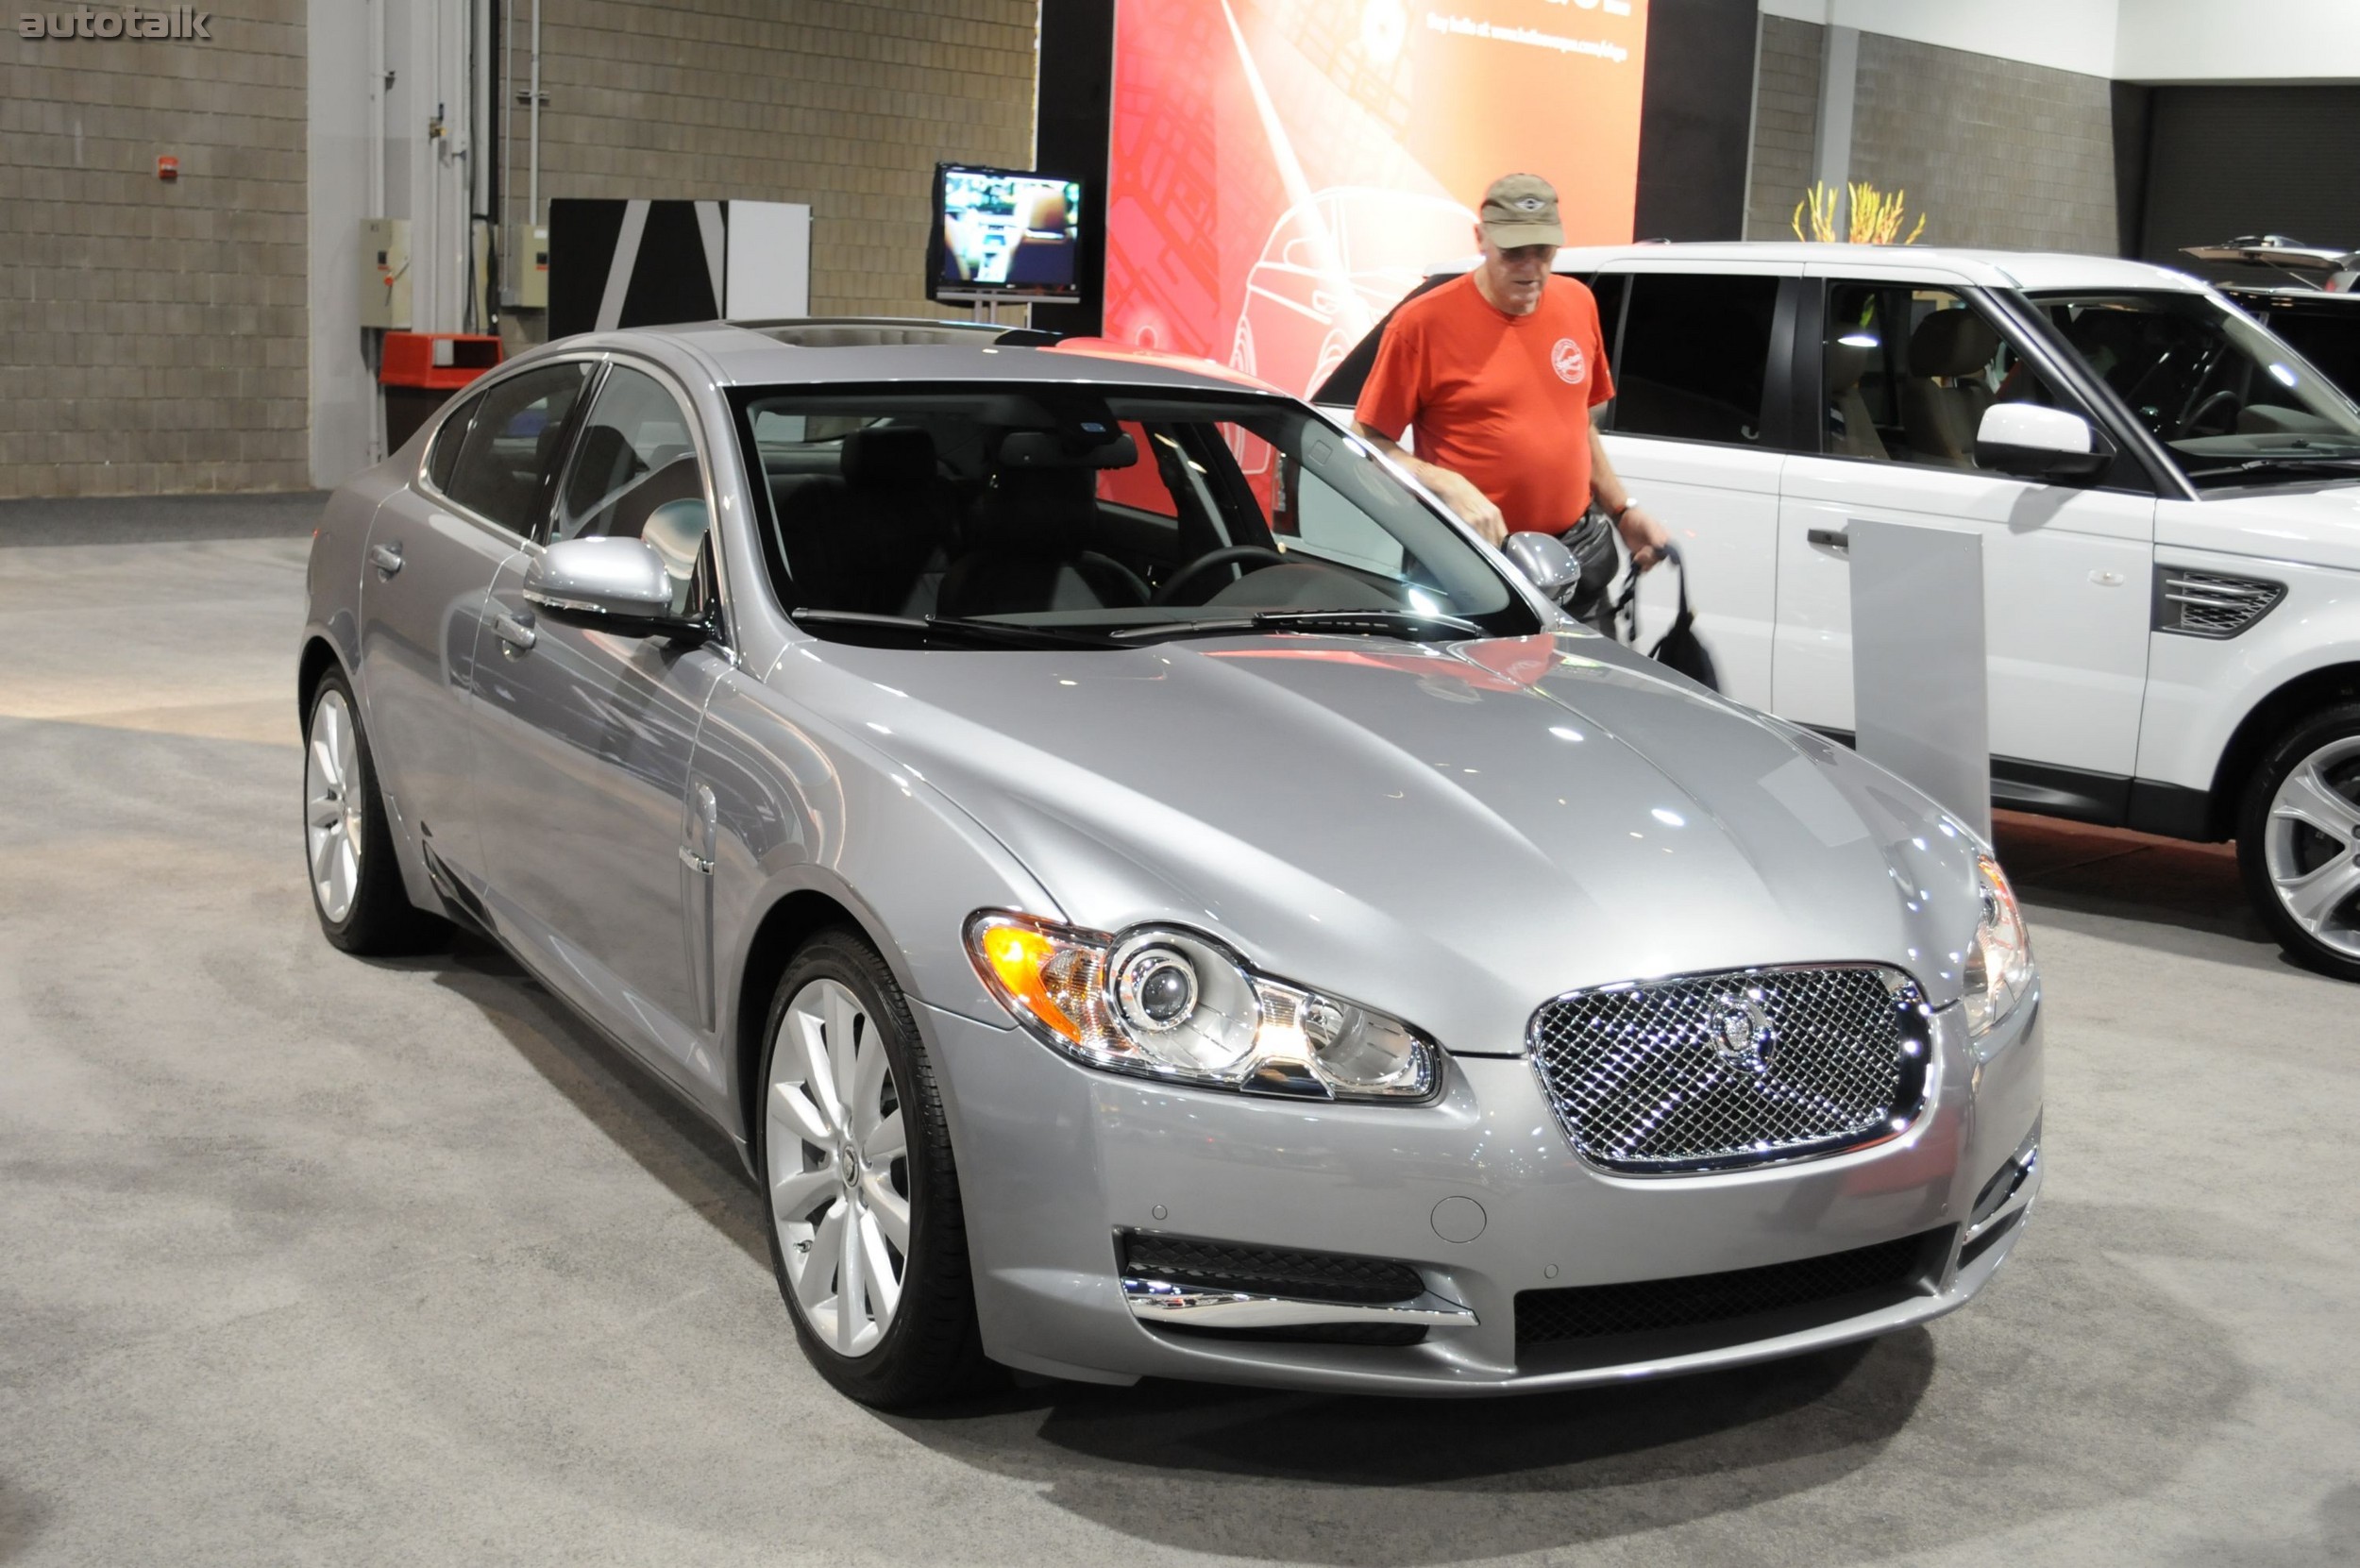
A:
x: 386, y: 558
x: 1831, y: 539
x: 515, y: 629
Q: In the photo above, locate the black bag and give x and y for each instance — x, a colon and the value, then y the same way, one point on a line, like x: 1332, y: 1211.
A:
x: 1591, y: 541
x: 1678, y: 649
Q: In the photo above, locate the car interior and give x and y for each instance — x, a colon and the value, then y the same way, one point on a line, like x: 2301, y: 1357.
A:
x: 1910, y: 371
x: 1005, y: 506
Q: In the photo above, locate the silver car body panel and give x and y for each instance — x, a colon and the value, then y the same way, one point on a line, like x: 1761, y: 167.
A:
x: 1451, y: 833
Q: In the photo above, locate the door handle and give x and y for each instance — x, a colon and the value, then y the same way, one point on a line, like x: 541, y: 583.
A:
x: 1831, y: 539
x: 515, y: 629
x: 386, y: 558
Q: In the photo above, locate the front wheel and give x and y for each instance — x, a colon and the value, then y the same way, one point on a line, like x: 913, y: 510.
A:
x: 2299, y: 841
x: 347, y: 844
x: 867, y: 1237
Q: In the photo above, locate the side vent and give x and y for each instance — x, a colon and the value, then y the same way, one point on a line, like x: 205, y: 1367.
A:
x: 2210, y: 604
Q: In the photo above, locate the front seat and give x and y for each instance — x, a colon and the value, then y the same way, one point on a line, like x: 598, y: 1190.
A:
x: 1941, y: 420
x: 1851, y: 433
x: 1026, y: 549
x: 864, y: 541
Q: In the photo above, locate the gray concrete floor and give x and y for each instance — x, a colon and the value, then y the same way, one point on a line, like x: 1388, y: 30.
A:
x: 305, y: 1260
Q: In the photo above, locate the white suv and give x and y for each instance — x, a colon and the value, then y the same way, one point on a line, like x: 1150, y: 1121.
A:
x: 2168, y: 497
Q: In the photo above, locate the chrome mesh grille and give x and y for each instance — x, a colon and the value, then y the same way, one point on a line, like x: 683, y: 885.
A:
x: 1743, y: 1067
x: 2209, y: 604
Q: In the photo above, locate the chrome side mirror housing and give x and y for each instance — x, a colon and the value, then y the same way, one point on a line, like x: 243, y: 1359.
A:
x: 616, y: 584
x: 1542, y: 560
x: 2028, y: 441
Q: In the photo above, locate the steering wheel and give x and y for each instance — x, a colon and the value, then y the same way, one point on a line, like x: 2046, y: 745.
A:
x: 1169, y: 591
x: 2190, y: 426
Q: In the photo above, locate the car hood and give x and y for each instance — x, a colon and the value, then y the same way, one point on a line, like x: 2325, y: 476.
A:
x: 1451, y: 833
x: 2315, y: 527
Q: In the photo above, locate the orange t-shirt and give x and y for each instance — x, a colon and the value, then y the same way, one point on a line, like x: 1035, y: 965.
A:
x: 1502, y: 401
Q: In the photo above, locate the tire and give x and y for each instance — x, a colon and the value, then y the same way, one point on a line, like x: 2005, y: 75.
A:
x: 348, y: 847
x: 839, y: 1187
x: 2299, y: 840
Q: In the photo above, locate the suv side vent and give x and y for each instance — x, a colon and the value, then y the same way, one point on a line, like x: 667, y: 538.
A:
x: 2210, y: 604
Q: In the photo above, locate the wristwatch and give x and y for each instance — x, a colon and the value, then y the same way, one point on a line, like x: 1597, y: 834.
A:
x: 1616, y: 513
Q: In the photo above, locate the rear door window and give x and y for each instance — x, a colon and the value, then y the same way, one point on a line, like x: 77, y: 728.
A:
x: 1695, y: 357
x: 506, y: 464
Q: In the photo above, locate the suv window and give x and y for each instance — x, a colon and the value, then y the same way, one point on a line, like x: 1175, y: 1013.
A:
x: 1910, y: 371
x: 1694, y: 358
x: 504, y: 466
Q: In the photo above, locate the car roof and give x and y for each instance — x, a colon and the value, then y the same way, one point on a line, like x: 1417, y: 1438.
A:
x: 2019, y: 269
x: 848, y: 351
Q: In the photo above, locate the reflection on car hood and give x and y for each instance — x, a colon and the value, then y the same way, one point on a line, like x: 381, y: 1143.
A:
x: 1455, y: 834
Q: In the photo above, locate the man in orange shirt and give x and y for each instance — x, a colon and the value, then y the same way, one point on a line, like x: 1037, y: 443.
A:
x: 1498, y: 371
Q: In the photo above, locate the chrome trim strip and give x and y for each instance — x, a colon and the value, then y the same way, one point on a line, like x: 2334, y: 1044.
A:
x: 1160, y: 1301
x: 2026, y: 1163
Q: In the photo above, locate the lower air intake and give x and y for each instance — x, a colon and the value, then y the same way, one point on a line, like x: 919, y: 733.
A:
x: 1700, y: 1313
x: 1262, y: 1270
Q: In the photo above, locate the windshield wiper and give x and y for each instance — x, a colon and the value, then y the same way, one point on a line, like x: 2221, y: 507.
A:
x: 952, y: 629
x: 2328, y: 465
x: 1409, y: 624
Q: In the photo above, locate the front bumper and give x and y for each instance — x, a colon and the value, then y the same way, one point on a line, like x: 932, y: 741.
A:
x: 1056, y: 1160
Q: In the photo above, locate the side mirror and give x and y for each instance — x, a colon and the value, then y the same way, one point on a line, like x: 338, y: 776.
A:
x: 2035, y: 443
x: 1542, y: 560
x: 616, y: 584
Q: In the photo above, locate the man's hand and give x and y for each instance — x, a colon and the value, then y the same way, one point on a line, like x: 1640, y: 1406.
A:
x: 1453, y: 490
x: 1643, y: 537
x: 1473, y: 507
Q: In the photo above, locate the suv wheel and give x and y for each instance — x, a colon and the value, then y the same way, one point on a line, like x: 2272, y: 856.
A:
x: 347, y: 846
x: 2299, y: 840
x: 867, y: 1237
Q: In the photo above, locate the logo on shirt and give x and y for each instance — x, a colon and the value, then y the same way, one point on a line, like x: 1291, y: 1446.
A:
x: 1567, y: 360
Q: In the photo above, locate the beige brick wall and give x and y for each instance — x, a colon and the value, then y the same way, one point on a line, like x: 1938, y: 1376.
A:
x: 153, y: 334
x: 844, y: 104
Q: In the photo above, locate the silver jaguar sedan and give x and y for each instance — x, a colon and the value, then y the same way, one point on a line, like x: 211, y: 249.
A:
x: 1148, y: 892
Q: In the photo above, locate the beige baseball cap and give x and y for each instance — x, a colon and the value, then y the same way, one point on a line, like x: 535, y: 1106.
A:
x: 1521, y: 210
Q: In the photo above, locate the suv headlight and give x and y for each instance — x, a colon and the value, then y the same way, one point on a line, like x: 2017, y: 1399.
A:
x: 1167, y: 1003
x: 1998, y: 969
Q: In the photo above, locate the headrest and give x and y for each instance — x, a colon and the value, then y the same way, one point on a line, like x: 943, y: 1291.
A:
x: 1846, y: 364
x: 1030, y: 512
x: 1952, y: 343
x: 884, y: 458
x: 1082, y: 448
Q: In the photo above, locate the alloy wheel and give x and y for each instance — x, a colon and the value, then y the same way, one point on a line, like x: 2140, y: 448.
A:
x: 838, y: 1158
x: 331, y: 806
x: 2311, y: 845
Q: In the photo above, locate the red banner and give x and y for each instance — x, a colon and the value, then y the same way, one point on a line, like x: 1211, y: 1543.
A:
x: 1284, y: 171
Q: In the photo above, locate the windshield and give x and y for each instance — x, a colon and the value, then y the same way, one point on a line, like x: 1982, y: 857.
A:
x: 1087, y: 515
x: 2232, y: 403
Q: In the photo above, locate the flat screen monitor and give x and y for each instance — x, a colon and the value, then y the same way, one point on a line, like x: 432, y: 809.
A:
x: 1003, y: 234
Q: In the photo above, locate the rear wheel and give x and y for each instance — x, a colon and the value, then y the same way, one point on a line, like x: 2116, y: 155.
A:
x: 867, y: 1237
x: 348, y: 844
x: 2299, y: 840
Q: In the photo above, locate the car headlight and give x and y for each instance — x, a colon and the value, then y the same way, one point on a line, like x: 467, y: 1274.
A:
x: 1167, y: 1003
x: 1999, y: 967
